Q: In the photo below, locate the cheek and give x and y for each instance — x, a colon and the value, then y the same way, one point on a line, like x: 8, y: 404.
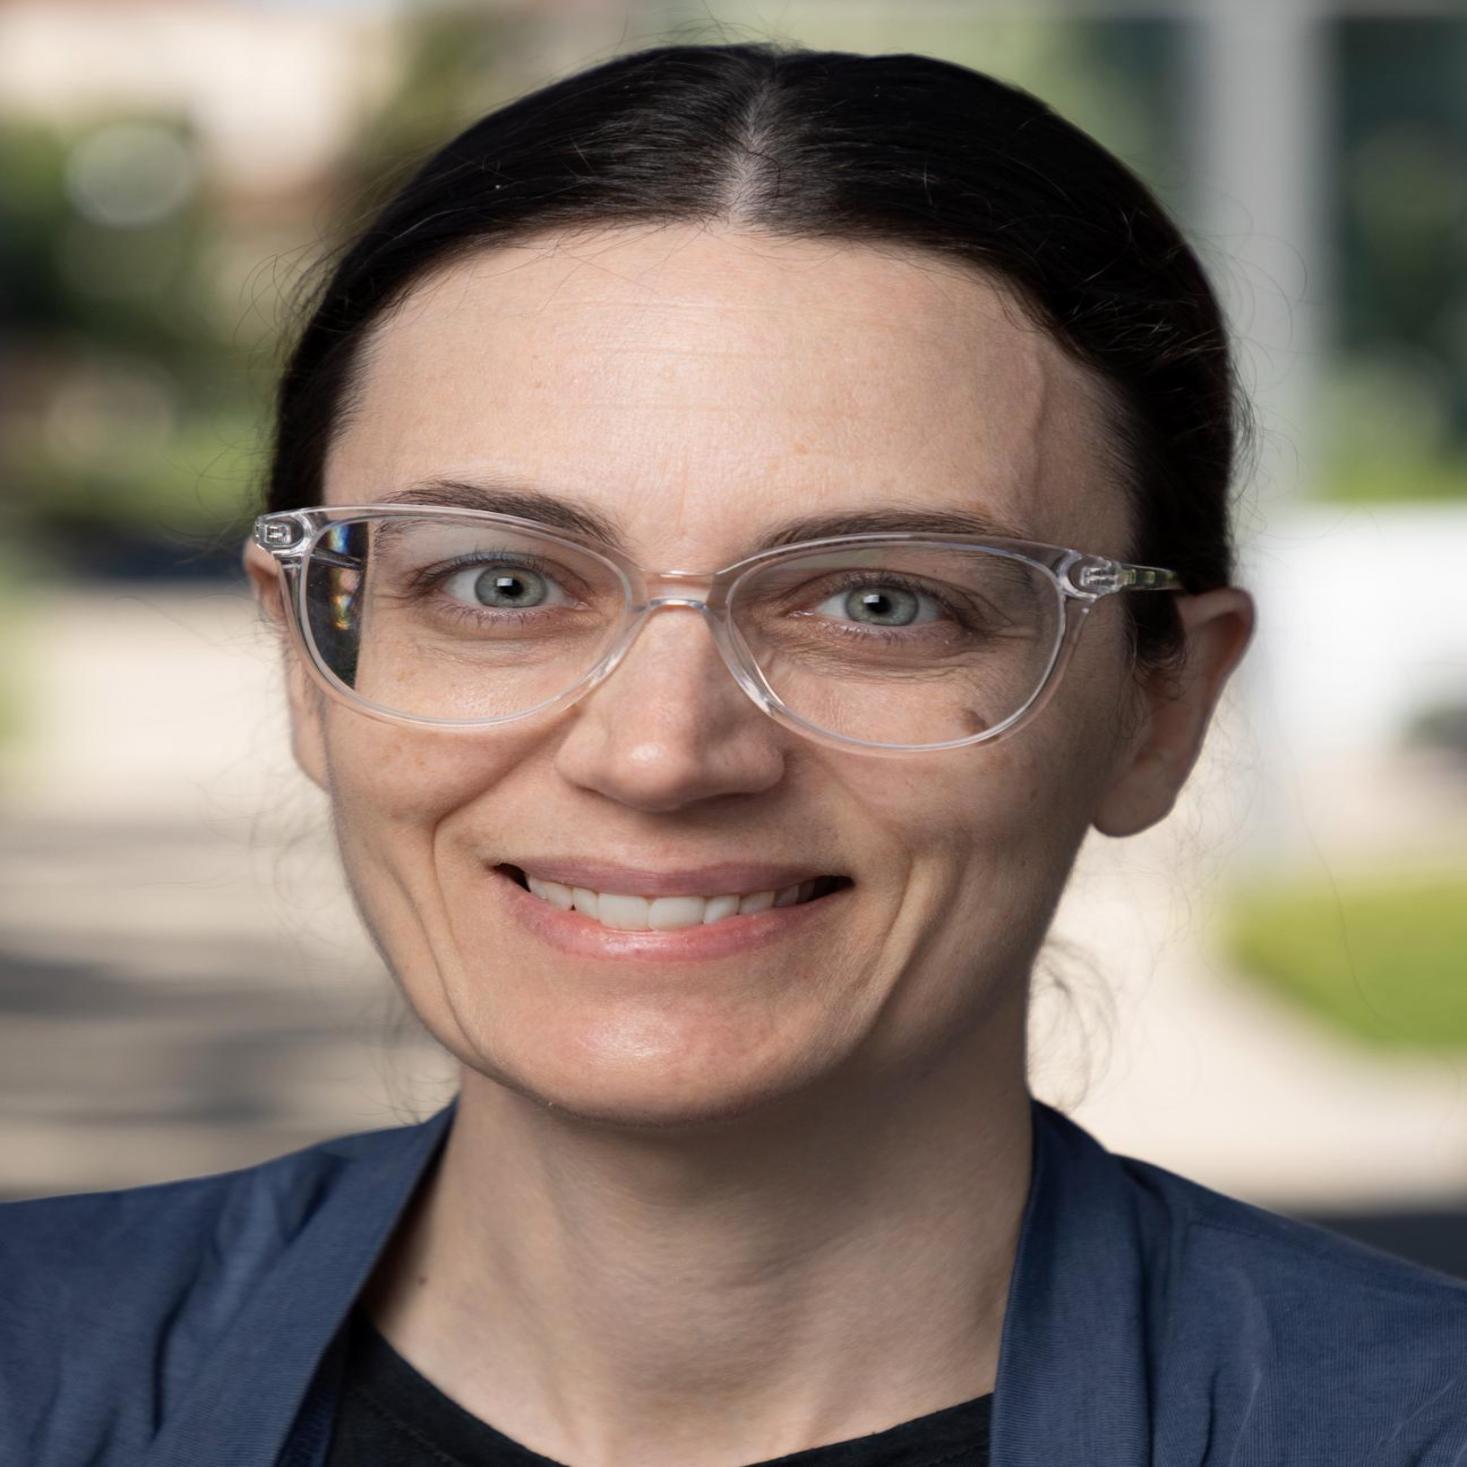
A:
x: 1006, y: 838
x: 990, y: 835
x: 392, y: 788
x: 993, y: 813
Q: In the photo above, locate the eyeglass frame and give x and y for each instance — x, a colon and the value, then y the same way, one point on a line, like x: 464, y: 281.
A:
x: 1081, y: 579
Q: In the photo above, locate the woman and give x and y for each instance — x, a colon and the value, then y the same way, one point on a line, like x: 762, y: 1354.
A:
x: 897, y: 383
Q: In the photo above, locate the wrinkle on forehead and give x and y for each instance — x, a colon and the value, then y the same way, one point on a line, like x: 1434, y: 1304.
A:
x: 698, y: 370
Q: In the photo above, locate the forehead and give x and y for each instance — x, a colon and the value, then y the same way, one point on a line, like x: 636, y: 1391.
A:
x: 692, y: 384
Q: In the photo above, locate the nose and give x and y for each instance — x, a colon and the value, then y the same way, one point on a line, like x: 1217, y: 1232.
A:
x: 670, y: 727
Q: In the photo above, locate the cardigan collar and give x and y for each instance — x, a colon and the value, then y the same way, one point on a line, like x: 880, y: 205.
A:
x: 241, y: 1408
x: 1072, y: 1381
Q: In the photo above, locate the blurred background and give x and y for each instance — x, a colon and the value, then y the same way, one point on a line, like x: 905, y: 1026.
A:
x: 1268, y: 993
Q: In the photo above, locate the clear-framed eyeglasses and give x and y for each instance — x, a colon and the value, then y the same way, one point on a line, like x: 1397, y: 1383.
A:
x: 889, y: 643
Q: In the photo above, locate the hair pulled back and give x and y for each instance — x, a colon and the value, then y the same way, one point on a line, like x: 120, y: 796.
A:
x: 898, y: 150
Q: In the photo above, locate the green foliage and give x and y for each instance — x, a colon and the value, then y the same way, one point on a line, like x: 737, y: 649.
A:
x: 1383, y: 960
x: 142, y: 288
x: 1387, y: 420
x: 197, y: 478
x: 129, y: 417
x: 1367, y: 482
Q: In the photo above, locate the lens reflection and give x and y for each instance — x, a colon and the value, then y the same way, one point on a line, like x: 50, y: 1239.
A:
x: 458, y: 619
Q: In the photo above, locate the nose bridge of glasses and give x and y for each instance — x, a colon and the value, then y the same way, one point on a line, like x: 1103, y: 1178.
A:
x: 705, y: 602
x: 640, y: 616
x: 692, y: 589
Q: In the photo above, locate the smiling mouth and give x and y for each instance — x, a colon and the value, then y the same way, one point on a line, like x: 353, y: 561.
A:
x: 629, y: 913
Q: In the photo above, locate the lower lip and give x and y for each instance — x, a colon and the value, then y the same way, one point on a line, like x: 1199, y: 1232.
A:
x: 573, y: 932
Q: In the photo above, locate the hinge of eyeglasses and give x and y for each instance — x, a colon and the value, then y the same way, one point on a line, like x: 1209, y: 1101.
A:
x: 1098, y: 578
x: 278, y: 534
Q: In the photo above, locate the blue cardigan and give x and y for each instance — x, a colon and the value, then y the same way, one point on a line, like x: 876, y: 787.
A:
x: 1150, y: 1320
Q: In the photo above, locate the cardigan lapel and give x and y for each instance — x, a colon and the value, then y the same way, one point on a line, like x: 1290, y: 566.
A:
x: 1073, y: 1383
x: 242, y: 1405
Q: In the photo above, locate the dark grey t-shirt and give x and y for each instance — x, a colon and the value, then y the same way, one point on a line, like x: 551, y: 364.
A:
x: 390, y: 1416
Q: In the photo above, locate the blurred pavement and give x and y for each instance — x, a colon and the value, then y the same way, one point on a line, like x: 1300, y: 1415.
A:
x: 183, y: 983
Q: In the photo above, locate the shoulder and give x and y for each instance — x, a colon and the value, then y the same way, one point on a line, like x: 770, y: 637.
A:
x: 1195, y: 1242
x: 1299, y: 1326
x: 1234, y: 1333
x: 108, y: 1300
x: 85, y: 1239
x: 1299, y: 1258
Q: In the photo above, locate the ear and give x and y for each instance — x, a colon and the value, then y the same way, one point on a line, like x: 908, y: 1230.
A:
x: 307, y: 705
x: 1176, y: 708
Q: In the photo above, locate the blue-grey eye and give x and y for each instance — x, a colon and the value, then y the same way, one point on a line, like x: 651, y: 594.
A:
x: 879, y: 606
x: 501, y: 587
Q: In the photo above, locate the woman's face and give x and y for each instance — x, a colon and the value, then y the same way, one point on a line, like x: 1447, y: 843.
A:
x: 696, y: 387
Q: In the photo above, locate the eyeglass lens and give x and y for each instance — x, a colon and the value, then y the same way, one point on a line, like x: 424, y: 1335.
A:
x: 459, y: 620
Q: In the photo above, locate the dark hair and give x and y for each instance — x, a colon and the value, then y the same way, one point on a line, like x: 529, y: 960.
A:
x: 900, y: 150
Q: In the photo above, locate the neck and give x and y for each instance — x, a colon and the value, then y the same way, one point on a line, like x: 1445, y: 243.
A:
x: 820, y: 1270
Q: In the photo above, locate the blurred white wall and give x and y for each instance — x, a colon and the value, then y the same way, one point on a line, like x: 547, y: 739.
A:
x: 1364, y: 623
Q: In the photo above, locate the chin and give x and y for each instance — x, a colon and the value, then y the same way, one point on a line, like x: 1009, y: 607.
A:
x: 648, y: 1087
x: 642, y: 1110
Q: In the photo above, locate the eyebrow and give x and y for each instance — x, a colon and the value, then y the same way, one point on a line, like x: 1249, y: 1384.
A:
x: 554, y: 511
x: 565, y: 512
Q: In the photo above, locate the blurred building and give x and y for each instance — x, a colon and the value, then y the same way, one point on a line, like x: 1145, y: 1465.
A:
x: 272, y: 94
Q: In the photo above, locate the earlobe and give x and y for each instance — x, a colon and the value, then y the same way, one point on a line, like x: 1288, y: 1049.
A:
x: 1177, y: 710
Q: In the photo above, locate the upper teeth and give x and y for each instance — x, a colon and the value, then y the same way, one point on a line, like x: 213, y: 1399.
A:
x: 635, y: 913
